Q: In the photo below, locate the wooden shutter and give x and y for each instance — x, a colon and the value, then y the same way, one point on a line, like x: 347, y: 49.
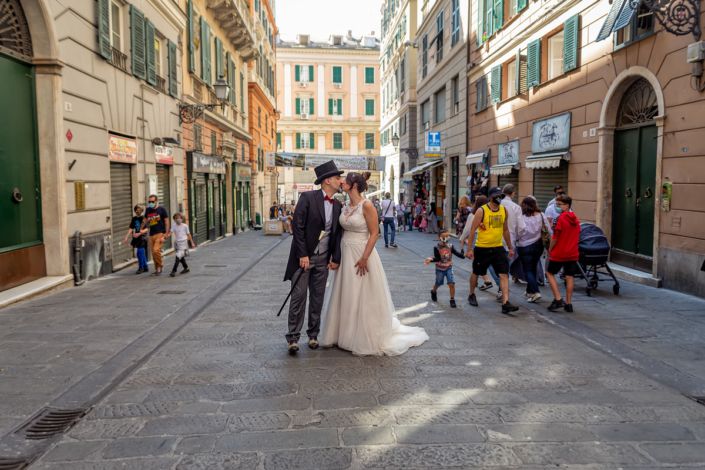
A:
x: 330, y: 106
x: 298, y: 140
x: 298, y: 106
x: 521, y: 4
x: 150, y: 53
x: 480, y: 20
x: 205, y: 52
x: 340, y: 106
x: 571, y: 31
x: 310, y: 106
x: 137, y: 37
x: 498, y: 14
x: 173, y: 70
x: 297, y: 73
x: 218, y: 58
x: 310, y: 73
x: 489, y: 17
x: 104, y: 47
x: 533, y: 64
x: 311, y: 144
x: 520, y: 81
x: 496, y: 83
x: 481, y: 89
x: 191, y: 30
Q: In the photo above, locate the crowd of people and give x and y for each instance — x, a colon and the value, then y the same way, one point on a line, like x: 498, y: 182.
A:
x: 282, y: 213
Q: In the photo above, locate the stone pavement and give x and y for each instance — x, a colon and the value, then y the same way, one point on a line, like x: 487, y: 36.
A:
x: 487, y: 391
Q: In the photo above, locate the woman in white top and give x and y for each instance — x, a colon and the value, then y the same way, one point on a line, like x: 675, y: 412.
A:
x: 530, y: 244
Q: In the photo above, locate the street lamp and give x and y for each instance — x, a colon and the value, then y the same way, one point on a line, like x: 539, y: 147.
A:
x: 188, y: 113
x: 411, y: 152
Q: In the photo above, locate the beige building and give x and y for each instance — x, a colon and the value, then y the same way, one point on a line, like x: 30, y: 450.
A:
x: 329, y: 100
x: 398, y: 95
x: 441, y: 96
x: 599, y: 98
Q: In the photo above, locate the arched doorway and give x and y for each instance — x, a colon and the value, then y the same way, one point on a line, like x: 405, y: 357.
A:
x: 634, y: 177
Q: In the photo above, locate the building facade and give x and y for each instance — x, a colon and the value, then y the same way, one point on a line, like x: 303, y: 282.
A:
x: 598, y: 98
x: 328, y: 95
x: 441, y: 96
x: 398, y: 95
x: 262, y: 109
x: 219, y: 43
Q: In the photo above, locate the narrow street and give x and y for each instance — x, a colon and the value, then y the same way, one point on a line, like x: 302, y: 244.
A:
x: 193, y: 372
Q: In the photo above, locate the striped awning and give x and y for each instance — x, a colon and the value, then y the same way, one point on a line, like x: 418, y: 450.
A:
x: 504, y: 169
x: 546, y: 160
x: 620, y: 15
x: 476, y: 157
x: 423, y: 167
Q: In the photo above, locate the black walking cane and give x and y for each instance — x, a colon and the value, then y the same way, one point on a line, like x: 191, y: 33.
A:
x: 322, y: 235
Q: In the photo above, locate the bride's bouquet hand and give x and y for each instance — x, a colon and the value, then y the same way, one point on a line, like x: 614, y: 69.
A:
x: 361, y: 266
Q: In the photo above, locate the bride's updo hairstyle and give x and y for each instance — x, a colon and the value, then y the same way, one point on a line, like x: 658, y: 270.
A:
x: 358, y: 180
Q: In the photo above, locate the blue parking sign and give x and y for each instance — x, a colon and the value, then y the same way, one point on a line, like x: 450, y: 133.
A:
x: 433, y: 144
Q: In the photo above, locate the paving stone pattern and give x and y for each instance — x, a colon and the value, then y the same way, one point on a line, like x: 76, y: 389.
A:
x: 486, y: 391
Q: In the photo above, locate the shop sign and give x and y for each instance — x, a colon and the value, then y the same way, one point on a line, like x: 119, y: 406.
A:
x: 302, y: 187
x: 509, y: 152
x: 433, y: 144
x: 343, y: 162
x: 164, y: 155
x: 244, y: 172
x: 552, y: 134
x: 201, y: 163
x: 121, y: 149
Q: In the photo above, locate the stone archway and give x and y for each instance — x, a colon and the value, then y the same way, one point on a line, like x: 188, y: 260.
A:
x: 606, y: 133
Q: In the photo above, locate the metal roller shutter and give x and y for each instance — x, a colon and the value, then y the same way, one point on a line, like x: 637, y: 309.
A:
x: 121, y: 210
x: 217, y: 207
x: 164, y: 194
x: 545, y: 180
x: 201, y: 208
x: 512, y: 178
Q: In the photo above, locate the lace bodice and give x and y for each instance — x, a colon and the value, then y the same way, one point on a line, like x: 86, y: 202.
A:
x: 352, y: 219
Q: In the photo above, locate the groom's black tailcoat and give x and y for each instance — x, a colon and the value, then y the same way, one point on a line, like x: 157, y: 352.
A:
x: 309, y: 222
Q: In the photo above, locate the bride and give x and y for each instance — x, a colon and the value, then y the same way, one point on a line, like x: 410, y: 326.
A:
x: 360, y: 315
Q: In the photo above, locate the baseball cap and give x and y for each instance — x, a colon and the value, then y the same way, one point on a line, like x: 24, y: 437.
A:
x: 495, y: 191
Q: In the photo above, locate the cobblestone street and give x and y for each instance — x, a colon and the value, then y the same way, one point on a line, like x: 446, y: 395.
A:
x: 199, y: 377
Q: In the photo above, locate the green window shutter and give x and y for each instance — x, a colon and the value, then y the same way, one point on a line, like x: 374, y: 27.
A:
x: 150, y: 53
x: 337, y: 74
x: 489, y: 17
x: 310, y: 73
x: 521, y: 4
x: 369, y: 75
x: 330, y: 106
x: 191, y: 30
x: 297, y: 73
x: 533, y: 64
x: 218, y: 58
x: 298, y: 106
x: 498, y: 14
x: 571, y: 38
x: 173, y: 70
x: 480, y: 20
x: 369, y: 107
x: 521, y: 73
x: 231, y: 80
x: 481, y: 89
x: 311, y: 141
x: 340, y: 106
x: 137, y: 37
x: 298, y: 140
x: 104, y: 29
x: 310, y: 106
x: 496, y: 84
x: 205, y: 52
x: 279, y: 139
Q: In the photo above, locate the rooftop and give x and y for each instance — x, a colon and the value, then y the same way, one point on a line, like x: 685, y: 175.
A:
x: 335, y: 41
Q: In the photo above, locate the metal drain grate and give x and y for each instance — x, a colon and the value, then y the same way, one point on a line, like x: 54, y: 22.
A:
x: 13, y: 464
x: 51, y: 422
x: 170, y: 292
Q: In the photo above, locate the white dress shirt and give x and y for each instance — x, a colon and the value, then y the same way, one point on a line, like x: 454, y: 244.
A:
x: 515, y: 221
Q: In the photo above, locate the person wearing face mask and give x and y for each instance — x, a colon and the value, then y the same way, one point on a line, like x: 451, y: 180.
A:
x: 182, y: 241
x: 157, y: 220
x: 563, y: 253
x: 490, y: 223
x: 443, y: 257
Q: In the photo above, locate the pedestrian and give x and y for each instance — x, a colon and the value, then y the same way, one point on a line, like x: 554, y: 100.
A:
x: 409, y: 215
x: 388, y: 217
x: 182, y: 242
x: 273, y: 211
x: 563, y: 253
x: 443, y: 257
x: 432, y: 218
x: 137, y: 234
x: 530, y: 245
x: 157, y: 219
x: 515, y: 221
x: 550, y: 211
x: 401, y: 215
x: 480, y: 201
x: 490, y: 223
x: 461, y: 217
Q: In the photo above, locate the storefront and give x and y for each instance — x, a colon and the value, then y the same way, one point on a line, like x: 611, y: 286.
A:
x: 164, y: 157
x: 550, y: 148
x: 206, y: 175
x: 507, y: 168
x: 477, y: 180
x: 122, y: 153
x: 241, y: 180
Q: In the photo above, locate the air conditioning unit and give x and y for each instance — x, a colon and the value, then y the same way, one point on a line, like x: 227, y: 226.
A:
x: 338, y: 85
x: 304, y: 115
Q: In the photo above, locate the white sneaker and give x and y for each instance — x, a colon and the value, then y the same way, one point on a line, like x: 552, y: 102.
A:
x: 533, y: 298
x: 499, y: 296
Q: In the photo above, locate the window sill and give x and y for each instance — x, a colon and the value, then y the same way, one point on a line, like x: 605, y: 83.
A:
x: 554, y: 79
x: 618, y: 47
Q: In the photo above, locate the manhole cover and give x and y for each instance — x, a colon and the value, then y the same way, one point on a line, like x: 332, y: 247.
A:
x: 51, y: 421
x: 170, y: 292
x: 13, y: 463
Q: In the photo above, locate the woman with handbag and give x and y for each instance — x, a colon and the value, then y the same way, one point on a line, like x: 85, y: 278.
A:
x: 531, y: 243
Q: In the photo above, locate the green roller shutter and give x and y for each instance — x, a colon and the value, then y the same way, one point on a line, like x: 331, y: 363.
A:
x: 104, y: 29
x: 496, y: 83
x: 533, y: 64
x: 191, y: 30
x: 297, y: 73
x: 137, y: 37
x: 150, y: 52
x: 218, y: 58
x: 310, y: 73
x: 571, y: 31
x: 298, y: 106
x: 173, y: 71
x: 330, y: 106
x: 310, y: 106
x: 311, y: 141
x: 298, y: 140
x: 340, y: 106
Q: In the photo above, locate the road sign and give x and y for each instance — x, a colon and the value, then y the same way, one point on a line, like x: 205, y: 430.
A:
x: 433, y: 144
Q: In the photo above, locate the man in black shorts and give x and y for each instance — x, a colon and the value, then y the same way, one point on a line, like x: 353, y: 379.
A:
x: 563, y: 253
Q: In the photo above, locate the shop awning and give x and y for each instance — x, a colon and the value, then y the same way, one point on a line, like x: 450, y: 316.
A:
x: 504, y: 169
x: 620, y: 15
x: 375, y: 193
x: 476, y: 157
x: 423, y: 167
x: 545, y: 161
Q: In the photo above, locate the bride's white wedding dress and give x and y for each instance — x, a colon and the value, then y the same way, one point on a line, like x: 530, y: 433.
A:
x: 360, y: 315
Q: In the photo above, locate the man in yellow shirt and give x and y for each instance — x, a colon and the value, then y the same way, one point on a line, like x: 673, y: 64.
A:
x: 490, y: 224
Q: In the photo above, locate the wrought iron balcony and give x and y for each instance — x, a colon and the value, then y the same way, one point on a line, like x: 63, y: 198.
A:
x: 235, y: 19
x: 161, y: 84
x: 119, y: 60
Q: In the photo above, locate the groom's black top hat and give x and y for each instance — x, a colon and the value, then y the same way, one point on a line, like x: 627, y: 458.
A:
x: 326, y: 170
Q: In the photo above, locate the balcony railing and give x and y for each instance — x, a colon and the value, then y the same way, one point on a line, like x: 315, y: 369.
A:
x: 119, y: 60
x: 161, y: 84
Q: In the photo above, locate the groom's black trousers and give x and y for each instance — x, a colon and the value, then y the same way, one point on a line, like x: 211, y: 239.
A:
x: 313, y: 283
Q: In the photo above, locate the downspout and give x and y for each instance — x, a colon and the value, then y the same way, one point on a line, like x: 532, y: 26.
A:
x: 77, y: 259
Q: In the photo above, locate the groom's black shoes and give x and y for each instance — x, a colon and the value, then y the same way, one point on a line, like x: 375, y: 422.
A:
x: 293, y: 347
x: 313, y: 343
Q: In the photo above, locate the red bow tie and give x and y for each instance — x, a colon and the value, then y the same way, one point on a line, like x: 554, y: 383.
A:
x: 328, y: 198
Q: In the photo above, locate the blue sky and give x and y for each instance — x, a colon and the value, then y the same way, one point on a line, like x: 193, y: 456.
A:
x: 320, y: 18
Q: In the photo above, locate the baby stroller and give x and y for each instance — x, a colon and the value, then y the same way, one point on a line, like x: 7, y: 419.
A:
x: 594, y: 250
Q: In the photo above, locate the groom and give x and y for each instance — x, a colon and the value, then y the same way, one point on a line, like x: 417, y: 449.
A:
x: 312, y: 256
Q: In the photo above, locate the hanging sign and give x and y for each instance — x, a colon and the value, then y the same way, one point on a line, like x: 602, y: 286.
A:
x: 552, y: 134
x: 433, y: 144
x: 121, y: 149
x: 244, y: 172
x: 164, y: 155
x: 201, y: 163
x: 509, y: 153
